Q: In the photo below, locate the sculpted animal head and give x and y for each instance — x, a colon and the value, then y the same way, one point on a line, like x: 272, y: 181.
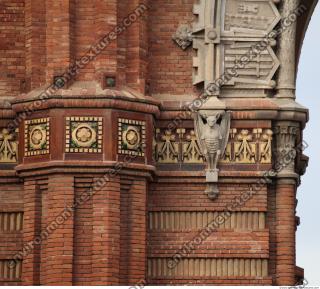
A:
x: 213, y: 119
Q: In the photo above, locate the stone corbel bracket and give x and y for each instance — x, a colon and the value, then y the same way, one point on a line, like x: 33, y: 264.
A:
x: 212, y: 125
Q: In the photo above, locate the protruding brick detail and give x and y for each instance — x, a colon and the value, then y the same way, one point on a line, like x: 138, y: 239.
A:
x: 84, y: 24
x: 106, y: 234
x: 59, y: 36
x: 105, y: 21
x: 285, y: 234
x: 32, y: 222
x: 137, y: 48
x: 136, y: 234
x: 59, y: 249
x: 271, y: 219
x: 82, y: 238
x: 35, y: 27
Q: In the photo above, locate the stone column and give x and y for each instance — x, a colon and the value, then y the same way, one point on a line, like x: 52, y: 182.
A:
x: 287, y: 50
x: 286, y: 182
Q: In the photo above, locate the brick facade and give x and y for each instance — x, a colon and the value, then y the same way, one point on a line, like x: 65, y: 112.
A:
x: 81, y: 204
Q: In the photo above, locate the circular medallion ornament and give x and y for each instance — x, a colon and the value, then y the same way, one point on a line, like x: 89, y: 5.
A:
x: 84, y: 135
x: 131, y: 137
x: 38, y: 137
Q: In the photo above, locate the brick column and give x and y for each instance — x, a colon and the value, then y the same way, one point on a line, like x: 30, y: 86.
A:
x: 59, y: 36
x: 137, y: 232
x: 105, y: 22
x: 137, y: 46
x: 31, y: 227
x: 59, y: 249
x: 285, y: 232
x: 106, y: 233
x: 35, y: 24
x: 286, y: 135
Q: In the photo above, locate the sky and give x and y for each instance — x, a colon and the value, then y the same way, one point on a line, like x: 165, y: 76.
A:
x: 308, y: 81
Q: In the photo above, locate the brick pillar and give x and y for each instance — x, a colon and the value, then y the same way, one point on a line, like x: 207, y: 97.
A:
x: 105, y: 22
x: 31, y: 227
x: 137, y: 46
x: 59, y: 36
x: 285, y: 232
x: 106, y: 233
x: 272, y: 232
x: 59, y: 249
x: 137, y: 232
x: 35, y: 27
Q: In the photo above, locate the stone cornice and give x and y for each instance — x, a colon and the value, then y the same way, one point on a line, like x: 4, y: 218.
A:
x: 84, y: 167
x: 104, y: 101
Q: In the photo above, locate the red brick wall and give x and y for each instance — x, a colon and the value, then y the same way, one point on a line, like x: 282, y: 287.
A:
x: 35, y: 47
x: 170, y: 68
x: 285, y: 232
x: 83, y: 231
x: 133, y: 237
x: 12, y: 43
x: 110, y: 239
x: 237, y: 238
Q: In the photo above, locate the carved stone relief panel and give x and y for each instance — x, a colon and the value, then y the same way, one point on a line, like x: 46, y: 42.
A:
x: 257, y: 69
x: 229, y: 39
x: 245, y: 146
x: 286, y: 138
x: 167, y: 146
x: 191, y: 152
x: 255, y: 17
x: 131, y: 137
x: 84, y: 134
x: 37, y: 137
x: 8, y: 146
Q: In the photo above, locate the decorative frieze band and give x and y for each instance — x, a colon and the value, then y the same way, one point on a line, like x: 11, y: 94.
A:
x: 185, y: 221
x: 8, y: 146
x: 245, y: 146
x: 9, y: 272
x: 208, y: 267
x: 11, y: 222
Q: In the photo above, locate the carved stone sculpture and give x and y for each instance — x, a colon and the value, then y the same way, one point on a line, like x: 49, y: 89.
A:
x: 183, y: 36
x: 212, y: 129
x: 8, y: 147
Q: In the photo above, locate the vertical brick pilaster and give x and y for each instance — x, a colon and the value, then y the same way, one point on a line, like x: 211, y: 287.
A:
x: 137, y: 46
x: 60, y: 24
x: 106, y: 233
x: 272, y: 232
x: 31, y: 227
x: 59, y: 248
x: 35, y: 25
x: 137, y: 232
x: 105, y: 22
x: 285, y: 233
